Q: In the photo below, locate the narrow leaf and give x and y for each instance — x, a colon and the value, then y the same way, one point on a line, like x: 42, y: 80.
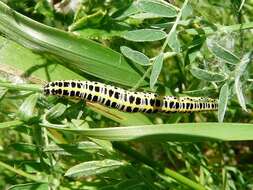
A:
x: 144, y: 35
x: 26, y: 110
x: 73, y: 149
x: 156, y: 70
x: 223, y: 53
x: 207, y: 75
x: 173, y: 42
x: 93, y: 168
x: 223, y: 100
x: 30, y: 186
x: 183, y: 132
x: 10, y: 124
x: 239, y: 70
x: 3, y: 91
x: 158, y: 8
x: 56, y: 111
x: 134, y: 55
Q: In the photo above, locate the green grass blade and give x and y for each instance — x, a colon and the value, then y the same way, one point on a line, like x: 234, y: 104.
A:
x: 186, y: 132
x: 84, y: 55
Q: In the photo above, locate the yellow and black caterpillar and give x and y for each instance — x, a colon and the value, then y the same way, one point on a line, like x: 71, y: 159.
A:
x: 126, y: 100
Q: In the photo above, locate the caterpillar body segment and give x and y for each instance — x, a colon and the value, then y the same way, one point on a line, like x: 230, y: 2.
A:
x: 128, y: 101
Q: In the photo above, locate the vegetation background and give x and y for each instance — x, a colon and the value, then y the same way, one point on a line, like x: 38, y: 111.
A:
x: 196, y: 48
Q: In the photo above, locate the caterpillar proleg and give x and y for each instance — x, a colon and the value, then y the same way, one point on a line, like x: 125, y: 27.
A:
x: 128, y: 101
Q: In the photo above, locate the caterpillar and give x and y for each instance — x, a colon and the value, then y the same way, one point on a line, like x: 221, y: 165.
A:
x: 128, y: 101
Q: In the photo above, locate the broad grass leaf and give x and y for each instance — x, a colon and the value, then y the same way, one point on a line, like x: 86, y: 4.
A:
x: 207, y: 75
x: 145, y: 35
x: 27, y: 109
x: 223, y: 101
x: 86, y: 56
x: 135, y: 56
x: 239, y: 71
x: 223, y: 53
x: 34, y: 66
x: 181, y: 132
x: 156, y: 70
x: 30, y: 186
x: 160, y: 8
x: 94, y: 168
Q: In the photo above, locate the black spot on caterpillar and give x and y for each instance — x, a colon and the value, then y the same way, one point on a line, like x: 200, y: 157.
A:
x: 126, y: 100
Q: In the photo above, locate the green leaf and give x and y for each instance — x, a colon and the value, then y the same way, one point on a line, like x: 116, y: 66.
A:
x: 86, y: 56
x: 207, y: 75
x: 73, y: 149
x: 160, y: 8
x: 3, y: 92
x: 93, y: 168
x: 173, y: 42
x: 132, y: 9
x: 145, y: 35
x: 25, y: 62
x: 27, y: 109
x: 24, y: 147
x: 223, y: 53
x: 135, y: 56
x: 239, y: 71
x: 144, y: 16
x: 56, y: 111
x: 223, y: 101
x: 184, y: 132
x: 8, y: 124
x: 156, y: 70
x: 30, y: 186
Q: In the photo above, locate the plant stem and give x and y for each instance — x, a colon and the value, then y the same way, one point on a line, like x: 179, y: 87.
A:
x: 141, y: 79
x: 20, y: 172
x: 174, y: 26
x: 24, y: 87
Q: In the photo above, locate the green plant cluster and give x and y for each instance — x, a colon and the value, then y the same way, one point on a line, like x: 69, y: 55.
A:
x: 180, y: 48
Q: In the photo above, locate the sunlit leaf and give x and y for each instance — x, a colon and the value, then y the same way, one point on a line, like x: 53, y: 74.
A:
x: 160, y: 8
x: 156, y: 70
x: 135, y: 56
x: 207, y: 75
x: 144, y: 35
x: 240, y: 69
x: 184, y: 132
x: 30, y: 186
x: 86, y: 56
x: 223, y: 53
x: 27, y: 109
x: 94, y: 168
x: 223, y: 101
